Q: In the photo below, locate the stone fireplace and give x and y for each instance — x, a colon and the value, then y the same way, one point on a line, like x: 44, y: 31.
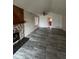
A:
x: 18, y: 32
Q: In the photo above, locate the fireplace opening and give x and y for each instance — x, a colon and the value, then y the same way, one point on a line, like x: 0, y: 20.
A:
x: 16, y: 36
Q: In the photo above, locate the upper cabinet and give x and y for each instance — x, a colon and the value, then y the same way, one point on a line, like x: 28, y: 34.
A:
x: 18, y: 15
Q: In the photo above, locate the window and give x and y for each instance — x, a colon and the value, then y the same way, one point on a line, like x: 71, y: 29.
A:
x: 36, y: 21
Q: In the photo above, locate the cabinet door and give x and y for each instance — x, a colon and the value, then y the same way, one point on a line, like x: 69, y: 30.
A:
x: 18, y: 15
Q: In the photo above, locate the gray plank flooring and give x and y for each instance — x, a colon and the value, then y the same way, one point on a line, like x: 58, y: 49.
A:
x: 44, y: 44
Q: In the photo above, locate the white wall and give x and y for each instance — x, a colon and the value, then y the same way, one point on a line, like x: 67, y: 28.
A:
x: 57, y: 20
x: 56, y: 23
x: 43, y: 21
x: 29, y: 26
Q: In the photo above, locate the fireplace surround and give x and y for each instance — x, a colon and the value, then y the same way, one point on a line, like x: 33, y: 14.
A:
x: 18, y: 32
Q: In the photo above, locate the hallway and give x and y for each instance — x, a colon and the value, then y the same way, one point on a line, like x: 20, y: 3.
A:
x: 44, y: 44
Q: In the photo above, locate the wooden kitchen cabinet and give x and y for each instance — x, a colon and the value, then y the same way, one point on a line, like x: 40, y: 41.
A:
x: 18, y: 15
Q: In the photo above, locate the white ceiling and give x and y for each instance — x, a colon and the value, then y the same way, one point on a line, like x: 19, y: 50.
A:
x: 38, y: 6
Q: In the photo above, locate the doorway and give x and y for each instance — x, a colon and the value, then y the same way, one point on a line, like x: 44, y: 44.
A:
x: 50, y: 20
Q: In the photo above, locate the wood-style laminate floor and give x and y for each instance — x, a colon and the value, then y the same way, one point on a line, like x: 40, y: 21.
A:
x: 44, y: 44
